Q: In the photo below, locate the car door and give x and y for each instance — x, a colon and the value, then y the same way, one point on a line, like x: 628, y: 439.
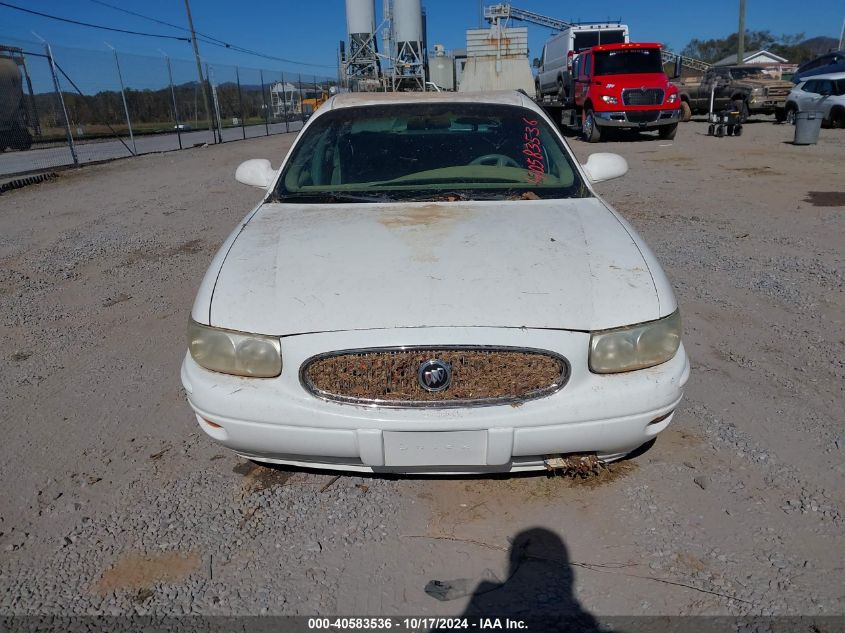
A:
x: 543, y: 72
x: 724, y: 89
x: 717, y: 78
x: 582, y: 84
x: 704, y: 89
x: 553, y: 60
x: 823, y: 101
x: 815, y: 93
x: 804, y: 98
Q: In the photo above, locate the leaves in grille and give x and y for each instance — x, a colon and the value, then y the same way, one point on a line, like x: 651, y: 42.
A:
x: 477, y: 375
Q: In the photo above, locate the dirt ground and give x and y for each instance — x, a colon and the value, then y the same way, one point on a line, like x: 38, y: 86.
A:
x: 115, y: 502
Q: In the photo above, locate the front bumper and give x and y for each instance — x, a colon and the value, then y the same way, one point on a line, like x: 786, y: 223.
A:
x: 640, y: 119
x: 762, y: 105
x: 276, y: 420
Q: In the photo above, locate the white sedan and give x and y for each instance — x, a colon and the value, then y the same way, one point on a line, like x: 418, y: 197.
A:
x: 430, y: 284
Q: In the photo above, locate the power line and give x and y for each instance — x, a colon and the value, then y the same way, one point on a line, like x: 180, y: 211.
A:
x: 213, y: 41
x: 270, y: 57
x: 151, y: 19
x: 94, y: 26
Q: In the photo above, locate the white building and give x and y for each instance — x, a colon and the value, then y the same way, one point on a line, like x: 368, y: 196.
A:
x: 285, y: 98
x: 753, y: 57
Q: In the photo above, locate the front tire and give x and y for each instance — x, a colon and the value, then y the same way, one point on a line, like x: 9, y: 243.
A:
x: 742, y: 107
x: 791, y: 111
x: 589, y: 130
x: 780, y: 115
x: 837, y: 118
x: 667, y: 132
x: 686, y: 112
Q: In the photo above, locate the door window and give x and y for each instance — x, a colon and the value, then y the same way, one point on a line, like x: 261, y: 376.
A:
x: 585, y: 39
x: 825, y: 86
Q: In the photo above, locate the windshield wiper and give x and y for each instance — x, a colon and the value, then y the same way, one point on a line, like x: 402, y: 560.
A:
x: 329, y: 197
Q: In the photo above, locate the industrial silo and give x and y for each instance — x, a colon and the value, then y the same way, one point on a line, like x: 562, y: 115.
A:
x: 407, y: 24
x: 408, y: 62
x: 360, y: 20
x: 441, y: 68
x: 361, y: 62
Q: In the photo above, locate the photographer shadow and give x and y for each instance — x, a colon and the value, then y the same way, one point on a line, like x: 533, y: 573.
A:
x: 538, y: 588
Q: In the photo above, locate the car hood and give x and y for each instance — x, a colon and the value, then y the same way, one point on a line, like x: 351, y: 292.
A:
x: 563, y: 264
x: 763, y: 83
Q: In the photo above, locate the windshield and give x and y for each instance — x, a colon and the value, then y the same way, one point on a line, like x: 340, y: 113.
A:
x: 629, y: 61
x: 428, y: 151
x: 588, y: 39
x: 747, y: 73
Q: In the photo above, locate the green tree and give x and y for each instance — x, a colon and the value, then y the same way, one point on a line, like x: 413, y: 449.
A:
x: 787, y: 46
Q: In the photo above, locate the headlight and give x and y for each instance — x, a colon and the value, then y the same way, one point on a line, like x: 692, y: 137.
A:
x: 233, y: 352
x: 636, y: 346
x: 672, y: 98
x: 609, y: 99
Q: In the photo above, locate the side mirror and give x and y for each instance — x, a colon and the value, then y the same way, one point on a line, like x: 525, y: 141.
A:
x: 605, y: 166
x: 256, y: 172
x: 535, y: 63
x: 679, y: 61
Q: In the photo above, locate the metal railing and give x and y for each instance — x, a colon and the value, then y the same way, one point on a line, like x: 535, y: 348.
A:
x: 63, y: 106
x: 695, y: 64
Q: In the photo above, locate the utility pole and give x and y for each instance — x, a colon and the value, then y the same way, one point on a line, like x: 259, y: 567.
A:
x: 842, y: 37
x: 199, y: 72
x: 740, y: 48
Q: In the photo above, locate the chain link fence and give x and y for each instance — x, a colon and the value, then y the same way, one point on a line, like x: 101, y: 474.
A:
x: 63, y: 106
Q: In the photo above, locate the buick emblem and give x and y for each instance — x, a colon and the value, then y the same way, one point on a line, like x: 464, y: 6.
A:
x: 435, y: 375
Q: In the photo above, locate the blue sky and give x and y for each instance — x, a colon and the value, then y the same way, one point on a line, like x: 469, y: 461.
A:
x: 310, y: 31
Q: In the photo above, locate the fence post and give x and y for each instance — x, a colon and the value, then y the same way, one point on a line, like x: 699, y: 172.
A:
x: 62, y: 102
x: 173, y: 96
x: 240, y: 101
x: 123, y: 96
x: 264, y: 104
x: 215, y: 116
x: 36, y: 122
x: 301, y: 109
x: 285, y: 103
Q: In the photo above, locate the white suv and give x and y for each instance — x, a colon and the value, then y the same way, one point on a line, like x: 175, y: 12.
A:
x: 820, y: 93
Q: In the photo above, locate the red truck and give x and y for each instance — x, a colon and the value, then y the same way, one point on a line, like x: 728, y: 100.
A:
x: 621, y: 86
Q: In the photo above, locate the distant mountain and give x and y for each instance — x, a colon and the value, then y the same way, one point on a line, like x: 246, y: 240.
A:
x: 821, y: 45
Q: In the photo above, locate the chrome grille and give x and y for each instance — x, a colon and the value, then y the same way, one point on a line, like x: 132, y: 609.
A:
x: 642, y: 96
x: 777, y: 91
x: 481, y: 376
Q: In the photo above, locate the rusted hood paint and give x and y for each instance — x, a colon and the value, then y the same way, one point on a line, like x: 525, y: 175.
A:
x: 563, y: 264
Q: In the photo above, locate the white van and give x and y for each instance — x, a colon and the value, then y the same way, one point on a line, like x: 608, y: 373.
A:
x: 555, y: 64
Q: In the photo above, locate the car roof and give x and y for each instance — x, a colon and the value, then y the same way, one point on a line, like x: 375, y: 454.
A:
x: 839, y: 75
x: 353, y: 99
x: 624, y: 46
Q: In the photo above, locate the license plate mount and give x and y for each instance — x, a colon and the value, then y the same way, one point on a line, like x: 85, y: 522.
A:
x: 435, y: 448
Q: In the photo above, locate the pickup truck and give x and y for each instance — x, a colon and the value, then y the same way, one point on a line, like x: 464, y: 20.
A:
x: 745, y: 88
x: 623, y: 86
